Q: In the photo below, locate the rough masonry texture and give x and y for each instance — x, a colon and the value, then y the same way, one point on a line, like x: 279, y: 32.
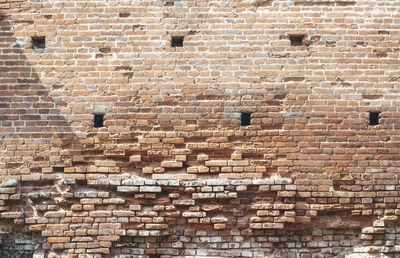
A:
x: 173, y: 172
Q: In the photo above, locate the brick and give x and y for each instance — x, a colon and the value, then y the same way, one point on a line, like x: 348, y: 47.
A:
x: 128, y: 189
x: 262, y: 206
x: 58, y: 239
x: 180, y: 158
x: 147, y: 170
x: 106, y: 163
x: 176, y: 140
x: 100, y: 213
x: 183, y: 202
x: 175, y: 176
x: 193, y: 214
x: 171, y: 164
x: 8, y: 190
x: 155, y: 189
x: 54, y: 214
x: 202, y: 157
x: 149, y: 140
x: 135, y: 158
x: 203, y: 195
x: 216, y: 163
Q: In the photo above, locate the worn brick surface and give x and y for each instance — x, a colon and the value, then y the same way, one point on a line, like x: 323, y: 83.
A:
x: 173, y: 172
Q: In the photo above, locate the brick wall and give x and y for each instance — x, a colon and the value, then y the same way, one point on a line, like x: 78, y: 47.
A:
x: 174, y: 171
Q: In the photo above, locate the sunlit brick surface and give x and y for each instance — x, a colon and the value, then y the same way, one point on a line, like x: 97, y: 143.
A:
x: 173, y: 172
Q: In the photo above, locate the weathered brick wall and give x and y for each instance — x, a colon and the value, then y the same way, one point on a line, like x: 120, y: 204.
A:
x: 173, y: 172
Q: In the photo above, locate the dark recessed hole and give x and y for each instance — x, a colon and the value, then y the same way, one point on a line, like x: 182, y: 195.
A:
x: 177, y: 41
x: 296, y: 40
x: 98, y: 120
x: 374, y: 118
x: 124, y: 15
x: 245, y: 118
x: 105, y: 50
x: 154, y: 255
x: 58, y: 169
x: 39, y: 43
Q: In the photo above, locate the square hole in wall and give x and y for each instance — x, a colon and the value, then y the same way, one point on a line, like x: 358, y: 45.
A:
x: 374, y: 118
x: 177, y: 41
x: 245, y: 118
x: 154, y: 256
x: 39, y: 43
x: 98, y: 120
x: 296, y: 40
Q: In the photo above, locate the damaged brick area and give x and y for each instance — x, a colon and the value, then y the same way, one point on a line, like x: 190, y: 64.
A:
x: 15, y: 242
x: 223, y: 217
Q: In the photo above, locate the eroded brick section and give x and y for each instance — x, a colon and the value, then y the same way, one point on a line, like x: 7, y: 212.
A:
x: 172, y: 171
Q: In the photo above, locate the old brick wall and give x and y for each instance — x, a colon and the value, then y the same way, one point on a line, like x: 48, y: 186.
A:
x: 173, y: 172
